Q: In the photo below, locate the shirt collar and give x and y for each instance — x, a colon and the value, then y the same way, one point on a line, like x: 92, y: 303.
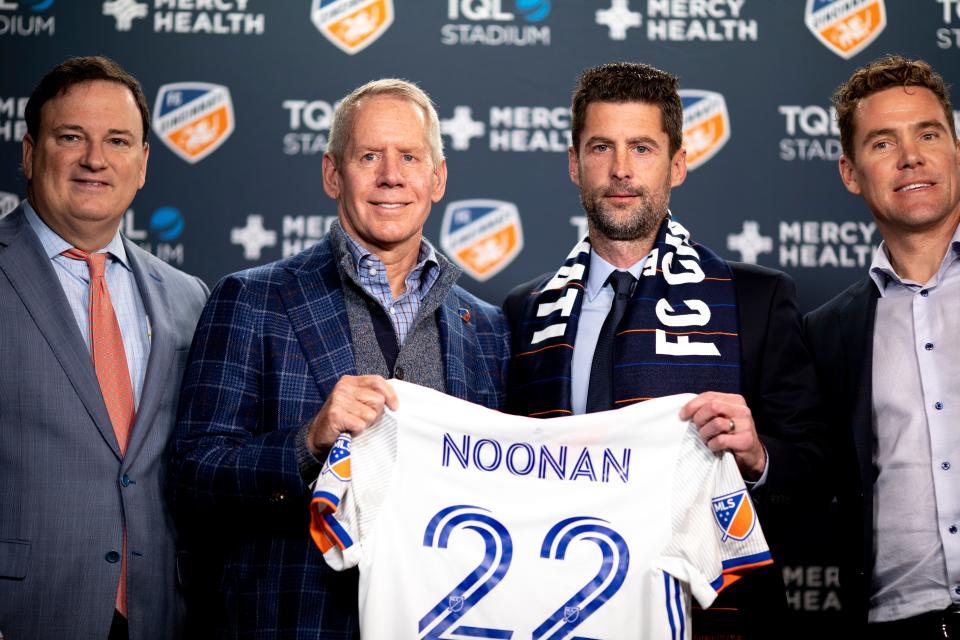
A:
x: 600, y: 270
x: 426, y: 255
x: 54, y: 245
x: 884, y: 275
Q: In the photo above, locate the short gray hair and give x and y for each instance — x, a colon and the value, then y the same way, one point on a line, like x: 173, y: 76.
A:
x: 342, y: 121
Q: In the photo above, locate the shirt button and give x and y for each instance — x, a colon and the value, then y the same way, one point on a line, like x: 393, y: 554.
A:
x: 924, y: 293
x: 393, y: 311
x: 398, y: 373
x: 112, y: 557
x: 953, y: 529
x: 957, y: 590
x: 372, y: 271
x: 928, y: 346
x: 938, y: 406
x: 945, y: 466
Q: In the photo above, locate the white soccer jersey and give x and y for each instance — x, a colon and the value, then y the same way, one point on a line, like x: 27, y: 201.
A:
x: 469, y: 523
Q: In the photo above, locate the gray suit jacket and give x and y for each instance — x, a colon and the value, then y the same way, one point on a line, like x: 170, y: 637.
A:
x: 65, y: 492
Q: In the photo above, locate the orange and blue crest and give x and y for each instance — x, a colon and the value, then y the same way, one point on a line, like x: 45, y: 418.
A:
x: 735, y: 515
x: 706, y: 125
x: 482, y: 236
x: 352, y: 25
x: 193, y: 118
x: 846, y: 27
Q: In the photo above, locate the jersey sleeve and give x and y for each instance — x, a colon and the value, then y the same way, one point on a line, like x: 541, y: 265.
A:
x: 333, y: 511
x: 716, y: 536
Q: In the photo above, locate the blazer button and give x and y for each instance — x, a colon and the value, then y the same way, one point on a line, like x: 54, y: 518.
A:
x: 398, y: 373
x: 112, y: 557
x: 125, y: 480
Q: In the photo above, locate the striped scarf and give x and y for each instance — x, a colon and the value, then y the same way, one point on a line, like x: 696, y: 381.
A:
x: 679, y: 333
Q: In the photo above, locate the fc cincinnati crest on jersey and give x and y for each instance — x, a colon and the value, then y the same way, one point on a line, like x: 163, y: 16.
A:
x: 846, y: 27
x: 482, y: 236
x: 706, y: 125
x: 193, y: 118
x: 734, y: 514
x: 352, y: 25
x: 338, y: 462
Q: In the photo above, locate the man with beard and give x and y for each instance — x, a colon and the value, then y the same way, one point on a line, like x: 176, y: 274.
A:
x: 676, y: 318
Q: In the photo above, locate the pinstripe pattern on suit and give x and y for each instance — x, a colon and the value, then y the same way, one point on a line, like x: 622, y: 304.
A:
x: 271, y: 344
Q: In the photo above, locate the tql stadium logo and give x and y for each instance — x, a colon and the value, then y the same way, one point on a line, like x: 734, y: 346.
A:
x: 482, y: 236
x: 352, y: 25
x: 846, y: 27
x: 193, y: 118
x: 706, y: 125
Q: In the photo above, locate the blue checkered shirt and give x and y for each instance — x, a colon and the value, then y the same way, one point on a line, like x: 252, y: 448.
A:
x: 373, y: 280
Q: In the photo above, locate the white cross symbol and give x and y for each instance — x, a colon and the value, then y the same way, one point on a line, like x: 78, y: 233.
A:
x: 749, y: 242
x: 253, y: 237
x: 618, y: 18
x: 461, y: 128
x: 124, y: 12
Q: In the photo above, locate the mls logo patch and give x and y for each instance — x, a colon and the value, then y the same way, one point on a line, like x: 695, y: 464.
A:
x: 193, y: 118
x: 352, y: 25
x: 338, y: 462
x: 734, y: 514
x: 846, y: 27
x: 706, y: 125
x: 482, y: 236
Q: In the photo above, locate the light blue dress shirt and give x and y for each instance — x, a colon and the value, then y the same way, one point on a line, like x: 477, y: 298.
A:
x: 916, y: 421
x: 74, y: 277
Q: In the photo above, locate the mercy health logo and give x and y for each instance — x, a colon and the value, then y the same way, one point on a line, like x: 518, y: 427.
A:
x: 208, y: 17
x: 510, y: 128
x: 809, y: 243
x: 488, y: 23
x: 165, y: 227
x: 706, y: 125
x: 352, y: 25
x: 193, y: 118
x: 680, y: 20
x: 812, y: 133
x: 8, y: 202
x: 846, y: 27
x: 482, y: 236
x: 949, y: 37
x: 12, y: 125
x: 309, y: 126
x: 299, y: 232
x: 26, y: 19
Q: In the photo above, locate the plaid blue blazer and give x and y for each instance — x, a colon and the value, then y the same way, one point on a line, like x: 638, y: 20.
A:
x: 270, y: 345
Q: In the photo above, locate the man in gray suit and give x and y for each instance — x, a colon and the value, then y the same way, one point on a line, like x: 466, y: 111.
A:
x: 94, y: 333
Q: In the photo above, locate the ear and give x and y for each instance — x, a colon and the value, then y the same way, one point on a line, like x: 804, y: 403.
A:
x: 143, y: 167
x: 27, y: 156
x: 573, y: 165
x: 331, y: 177
x: 440, y: 176
x: 678, y: 167
x: 848, y: 173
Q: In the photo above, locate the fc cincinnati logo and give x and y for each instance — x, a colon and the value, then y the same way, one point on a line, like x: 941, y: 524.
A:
x: 193, y: 118
x: 734, y: 514
x: 482, y: 236
x: 706, y: 125
x: 338, y: 462
x: 846, y: 27
x: 352, y: 25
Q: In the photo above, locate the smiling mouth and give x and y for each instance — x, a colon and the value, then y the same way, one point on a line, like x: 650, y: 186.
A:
x: 90, y: 183
x: 390, y: 205
x: 913, y: 187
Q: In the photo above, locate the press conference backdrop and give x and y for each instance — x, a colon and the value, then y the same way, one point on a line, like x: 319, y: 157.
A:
x: 242, y: 92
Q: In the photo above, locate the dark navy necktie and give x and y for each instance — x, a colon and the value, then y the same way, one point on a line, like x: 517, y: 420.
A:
x: 600, y: 391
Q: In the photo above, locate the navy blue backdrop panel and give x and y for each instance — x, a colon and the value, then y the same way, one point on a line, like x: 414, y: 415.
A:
x: 242, y: 92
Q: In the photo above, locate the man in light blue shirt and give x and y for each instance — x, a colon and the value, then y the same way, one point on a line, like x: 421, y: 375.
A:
x: 888, y: 356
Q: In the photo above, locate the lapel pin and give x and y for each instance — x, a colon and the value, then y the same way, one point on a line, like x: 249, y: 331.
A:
x: 465, y: 315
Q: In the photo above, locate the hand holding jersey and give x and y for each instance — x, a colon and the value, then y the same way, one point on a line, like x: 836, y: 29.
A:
x: 440, y: 484
x: 355, y: 403
x: 726, y: 424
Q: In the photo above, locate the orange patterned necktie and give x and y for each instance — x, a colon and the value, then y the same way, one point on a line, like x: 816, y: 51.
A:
x: 110, y: 362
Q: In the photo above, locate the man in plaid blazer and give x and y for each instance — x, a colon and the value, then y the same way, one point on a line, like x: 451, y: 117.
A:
x: 290, y: 354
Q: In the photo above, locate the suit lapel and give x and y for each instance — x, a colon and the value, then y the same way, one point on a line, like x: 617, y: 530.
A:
x: 31, y: 274
x: 314, y: 303
x: 856, y: 327
x: 458, y: 339
x: 156, y: 302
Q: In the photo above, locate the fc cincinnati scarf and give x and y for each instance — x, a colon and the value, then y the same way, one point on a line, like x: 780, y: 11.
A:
x: 679, y: 333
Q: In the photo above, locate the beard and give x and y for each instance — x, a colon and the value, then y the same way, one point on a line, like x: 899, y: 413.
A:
x: 641, y: 220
